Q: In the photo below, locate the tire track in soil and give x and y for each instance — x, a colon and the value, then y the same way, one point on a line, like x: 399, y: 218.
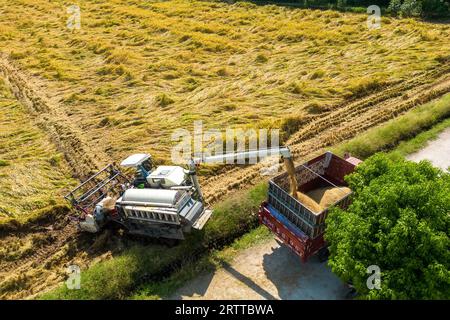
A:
x: 39, y: 270
x: 59, y: 238
x: 81, y: 156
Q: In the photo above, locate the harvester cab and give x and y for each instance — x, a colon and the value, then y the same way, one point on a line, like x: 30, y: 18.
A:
x: 143, y: 165
x: 161, y: 177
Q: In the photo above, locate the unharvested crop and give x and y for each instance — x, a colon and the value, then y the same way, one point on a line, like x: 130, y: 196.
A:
x: 169, y: 63
x: 32, y: 172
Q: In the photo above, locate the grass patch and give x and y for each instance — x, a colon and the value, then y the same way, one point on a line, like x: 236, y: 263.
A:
x: 421, y: 140
x: 404, y: 127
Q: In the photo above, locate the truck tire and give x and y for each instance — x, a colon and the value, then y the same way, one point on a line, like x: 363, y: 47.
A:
x: 351, y: 294
x: 323, y: 254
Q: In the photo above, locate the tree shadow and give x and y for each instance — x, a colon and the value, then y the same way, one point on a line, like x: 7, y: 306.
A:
x: 248, y: 282
x: 296, y: 280
x: 201, y: 284
x: 200, y: 287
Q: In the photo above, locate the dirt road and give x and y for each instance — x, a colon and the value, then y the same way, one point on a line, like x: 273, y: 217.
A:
x: 266, y: 271
x: 437, y: 151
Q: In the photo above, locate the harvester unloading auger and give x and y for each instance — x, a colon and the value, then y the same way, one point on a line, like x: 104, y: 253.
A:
x: 162, y: 202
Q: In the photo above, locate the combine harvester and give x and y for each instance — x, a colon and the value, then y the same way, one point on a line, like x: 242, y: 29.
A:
x: 163, y: 202
x: 166, y: 202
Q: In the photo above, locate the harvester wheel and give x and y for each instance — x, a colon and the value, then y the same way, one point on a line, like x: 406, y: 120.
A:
x: 169, y: 242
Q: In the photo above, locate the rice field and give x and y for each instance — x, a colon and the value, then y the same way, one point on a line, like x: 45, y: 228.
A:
x: 137, y: 70
x: 32, y: 172
x: 73, y: 100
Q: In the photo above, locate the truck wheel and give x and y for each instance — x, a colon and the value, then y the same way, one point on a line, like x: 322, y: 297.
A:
x: 351, y: 294
x: 323, y: 254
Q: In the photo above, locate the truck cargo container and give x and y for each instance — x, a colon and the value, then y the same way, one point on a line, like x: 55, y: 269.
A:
x: 294, y: 221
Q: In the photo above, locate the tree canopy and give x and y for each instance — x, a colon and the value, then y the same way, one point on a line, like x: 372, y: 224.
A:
x: 399, y: 220
x: 406, y: 8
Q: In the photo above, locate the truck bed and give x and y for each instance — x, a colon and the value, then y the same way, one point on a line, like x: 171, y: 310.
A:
x: 324, y: 197
x: 321, y: 183
x: 290, y: 234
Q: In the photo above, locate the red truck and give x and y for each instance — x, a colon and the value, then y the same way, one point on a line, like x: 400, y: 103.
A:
x: 295, y: 222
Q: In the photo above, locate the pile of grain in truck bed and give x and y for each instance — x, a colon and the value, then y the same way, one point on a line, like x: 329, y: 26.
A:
x: 321, y: 198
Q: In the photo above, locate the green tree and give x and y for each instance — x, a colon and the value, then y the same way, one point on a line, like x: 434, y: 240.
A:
x: 399, y: 220
x: 415, y: 8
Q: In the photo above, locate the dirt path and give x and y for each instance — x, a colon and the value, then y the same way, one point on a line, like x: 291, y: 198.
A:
x: 266, y: 271
x: 437, y: 151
